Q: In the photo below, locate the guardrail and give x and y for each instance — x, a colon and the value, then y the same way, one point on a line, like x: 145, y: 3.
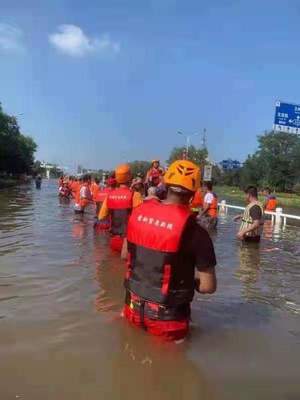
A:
x: 277, y: 216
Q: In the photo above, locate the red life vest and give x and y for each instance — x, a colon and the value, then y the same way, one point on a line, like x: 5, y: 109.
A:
x: 197, y: 201
x: 64, y: 191
x: 271, y: 203
x: 82, y: 202
x: 154, y: 175
x: 154, y: 271
x: 119, y: 203
x: 101, y: 195
x: 213, y: 207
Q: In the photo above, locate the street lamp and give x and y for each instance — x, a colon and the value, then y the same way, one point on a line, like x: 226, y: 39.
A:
x: 188, y: 139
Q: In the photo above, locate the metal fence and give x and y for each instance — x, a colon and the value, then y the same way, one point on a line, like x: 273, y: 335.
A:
x: 277, y: 216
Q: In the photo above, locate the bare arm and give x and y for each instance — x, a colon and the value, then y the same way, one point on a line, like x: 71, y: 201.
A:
x: 205, y: 209
x: 238, y: 217
x: 250, y: 228
x: 104, y: 211
x: 206, y: 281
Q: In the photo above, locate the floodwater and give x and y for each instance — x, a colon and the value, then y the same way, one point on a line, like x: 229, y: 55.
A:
x: 62, y: 337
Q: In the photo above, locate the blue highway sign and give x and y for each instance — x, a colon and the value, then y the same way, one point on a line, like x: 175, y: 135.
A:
x: 287, y: 117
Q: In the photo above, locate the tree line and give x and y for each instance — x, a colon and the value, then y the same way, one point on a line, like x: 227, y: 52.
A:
x: 275, y: 164
x: 16, y: 150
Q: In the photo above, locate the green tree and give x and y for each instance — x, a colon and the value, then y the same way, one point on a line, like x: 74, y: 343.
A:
x: 25, y: 154
x: 275, y: 163
x: 251, y: 173
x: 16, y: 150
x: 229, y: 178
x: 139, y: 167
x: 198, y: 156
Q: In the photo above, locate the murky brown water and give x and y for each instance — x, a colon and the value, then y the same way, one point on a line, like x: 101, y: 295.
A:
x: 61, y: 336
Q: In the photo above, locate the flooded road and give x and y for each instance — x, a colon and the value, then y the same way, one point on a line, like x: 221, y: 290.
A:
x: 62, y: 337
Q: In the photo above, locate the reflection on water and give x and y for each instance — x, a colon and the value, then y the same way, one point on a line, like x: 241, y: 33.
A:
x: 62, y: 335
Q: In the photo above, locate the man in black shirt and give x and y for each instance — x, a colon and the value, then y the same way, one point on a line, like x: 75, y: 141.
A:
x: 252, y: 219
x: 170, y: 256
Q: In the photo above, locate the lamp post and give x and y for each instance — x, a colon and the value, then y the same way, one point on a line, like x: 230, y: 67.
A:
x: 188, y: 140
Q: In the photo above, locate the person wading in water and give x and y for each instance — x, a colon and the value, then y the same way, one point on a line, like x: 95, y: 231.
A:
x: 252, y: 219
x: 118, y: 204
x: 208, y: 217
x: 169, y: 257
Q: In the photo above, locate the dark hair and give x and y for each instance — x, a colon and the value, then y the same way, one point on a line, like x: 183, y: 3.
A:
x: 209, y: 185
x: 267, y: 189
x: 251, y: 191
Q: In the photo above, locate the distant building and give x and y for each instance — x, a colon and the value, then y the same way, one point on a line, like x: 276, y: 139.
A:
x: 229, y: 164
x: 51, y: 170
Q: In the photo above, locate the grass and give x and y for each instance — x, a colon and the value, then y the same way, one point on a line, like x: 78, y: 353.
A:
x: 289, y: 200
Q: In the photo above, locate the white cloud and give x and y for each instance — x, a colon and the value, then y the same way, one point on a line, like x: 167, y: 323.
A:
x: 71, y: 40
x: 11, y: 38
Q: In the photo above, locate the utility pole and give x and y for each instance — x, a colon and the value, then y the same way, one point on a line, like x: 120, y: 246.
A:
x: 204, y: 139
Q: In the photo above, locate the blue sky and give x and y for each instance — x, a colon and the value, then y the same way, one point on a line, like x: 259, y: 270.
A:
x: 102, y: 81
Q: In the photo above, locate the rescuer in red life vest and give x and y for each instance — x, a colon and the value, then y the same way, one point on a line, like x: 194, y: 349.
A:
x: 83, y: 197
x: 104, y: 224
x: 154, y: 174
x: 208, y: 217
x: 165, y: 246
x: 270, y: 203
x: 118, y: 205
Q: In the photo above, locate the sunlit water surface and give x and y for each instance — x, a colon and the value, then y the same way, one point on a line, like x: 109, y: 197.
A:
x: 62, y: 337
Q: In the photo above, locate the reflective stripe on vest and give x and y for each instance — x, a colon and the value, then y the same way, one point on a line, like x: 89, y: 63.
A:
x: 154, y: 236
x: 247, y: 220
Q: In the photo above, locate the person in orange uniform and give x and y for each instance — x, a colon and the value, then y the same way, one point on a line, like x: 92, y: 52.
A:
x: 64, y: 191
x: 270, y: 203
x: 95, y: 186
x: 208, y: 217
x: 95, y: 190
x: 83, y: 196
x: 75, y: 187
x: 197, y: 202
x: 118, y: 205
x: 154, y: 174
x: 104, y: 224
x: 169, y: 257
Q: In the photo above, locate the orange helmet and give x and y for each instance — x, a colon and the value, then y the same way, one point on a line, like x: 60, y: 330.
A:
x: 123, y: 173
x: 183, y: 174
